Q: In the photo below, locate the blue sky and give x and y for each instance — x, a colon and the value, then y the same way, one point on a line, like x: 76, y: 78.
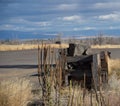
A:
x: 26, y: 19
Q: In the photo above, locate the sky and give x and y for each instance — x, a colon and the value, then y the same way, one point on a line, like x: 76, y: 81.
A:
x: 30, y: 19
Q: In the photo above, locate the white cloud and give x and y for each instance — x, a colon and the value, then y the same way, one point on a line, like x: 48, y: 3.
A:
x: 89, y: 28
x: 113, y: 16
x: 31, y: 23
x: 67, y: 7
x: 20, y: 24
x: 42, y: 23
x: 51, y: 34
x: 114, y: 27
x: 107, y: 5
x: 85, y: 28
x: 7, y: 27
x: 97, y: 28
x: 72, y: 18
x: 20, y: 28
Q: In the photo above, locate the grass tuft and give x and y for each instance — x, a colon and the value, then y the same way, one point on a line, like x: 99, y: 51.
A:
x: 15, y: 92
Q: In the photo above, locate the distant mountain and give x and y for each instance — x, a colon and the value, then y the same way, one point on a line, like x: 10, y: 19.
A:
x: 8, y: 34
x: 22, y: 35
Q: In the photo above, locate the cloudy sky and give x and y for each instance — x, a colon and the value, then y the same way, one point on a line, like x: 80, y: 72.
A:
x: 47, y: 18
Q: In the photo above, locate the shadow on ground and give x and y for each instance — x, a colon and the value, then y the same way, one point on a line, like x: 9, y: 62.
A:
x: 19, y: 66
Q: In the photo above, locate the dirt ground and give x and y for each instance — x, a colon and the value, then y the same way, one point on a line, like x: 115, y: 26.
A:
x: 18, y: 64
x: 24, y: 63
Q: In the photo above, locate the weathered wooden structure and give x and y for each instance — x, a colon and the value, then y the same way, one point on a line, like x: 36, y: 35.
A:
x: 89, y: 69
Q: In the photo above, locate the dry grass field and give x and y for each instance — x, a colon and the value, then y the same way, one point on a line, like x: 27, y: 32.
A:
x: 28, y: 46
x: 17, y: 91
x: 104, y: 46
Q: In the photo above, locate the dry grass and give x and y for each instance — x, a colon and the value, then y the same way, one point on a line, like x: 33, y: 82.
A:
x: 112, y: 98
x: 28, y: 46
x: 81, y: 97
x: 15, y: 92
x: 114, y: 66
x: 110, y: 95
x: 114, y: 82
x: 104, y: 46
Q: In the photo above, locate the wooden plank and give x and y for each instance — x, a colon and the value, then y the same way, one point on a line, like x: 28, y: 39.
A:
x: 104, y: 66
x: 96, y: 70
x: 106, y: 60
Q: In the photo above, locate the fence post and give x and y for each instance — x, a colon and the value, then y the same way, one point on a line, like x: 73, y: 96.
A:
x: 96, y: 71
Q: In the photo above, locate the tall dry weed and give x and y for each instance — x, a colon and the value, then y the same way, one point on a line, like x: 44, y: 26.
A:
x: 15, y: 92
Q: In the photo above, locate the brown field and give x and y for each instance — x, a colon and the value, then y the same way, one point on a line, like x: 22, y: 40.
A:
x: 28, y: 46
x: 104, y: 46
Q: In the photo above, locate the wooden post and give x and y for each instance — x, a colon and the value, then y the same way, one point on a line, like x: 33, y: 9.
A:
x: 106, y: 60
x: 96, y: 70
x: 104, y: 67
x: 95, y: 74
x: 39, y: 73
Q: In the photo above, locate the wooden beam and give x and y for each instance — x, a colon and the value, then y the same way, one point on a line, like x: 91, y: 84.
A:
x: 96, y: 70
